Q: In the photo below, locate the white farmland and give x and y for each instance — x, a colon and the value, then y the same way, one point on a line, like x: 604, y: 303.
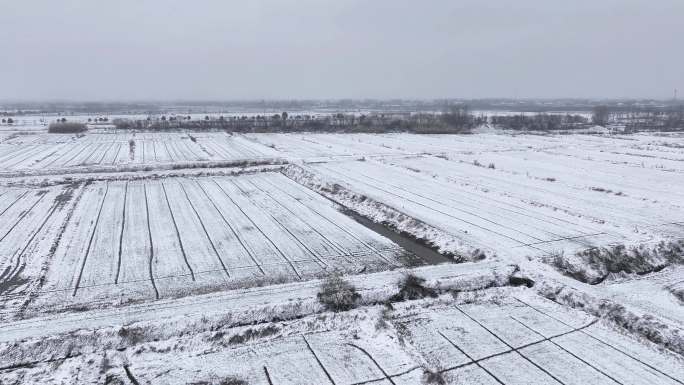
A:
x: 180, y: 257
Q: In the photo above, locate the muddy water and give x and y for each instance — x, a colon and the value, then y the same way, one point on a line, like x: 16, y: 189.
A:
x: 419, y: 254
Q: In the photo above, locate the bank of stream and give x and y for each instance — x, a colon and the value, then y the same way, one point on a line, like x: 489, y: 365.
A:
x: 423, y: 254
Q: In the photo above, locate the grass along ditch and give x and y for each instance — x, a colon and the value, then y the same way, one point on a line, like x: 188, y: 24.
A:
x: 392, y: 219
x: 416, y: 247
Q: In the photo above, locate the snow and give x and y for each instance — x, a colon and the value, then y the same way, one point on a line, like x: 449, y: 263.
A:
x: 443, y: 335
x: 530, y: 202
x: 193, y: 257
x: 43, y: 153
x: 650, y: 292
x: 134, y: 240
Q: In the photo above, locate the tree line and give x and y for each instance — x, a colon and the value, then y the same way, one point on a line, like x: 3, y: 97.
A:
x: 540, y: 122
x: 669, y: 119
x: 457, y: 119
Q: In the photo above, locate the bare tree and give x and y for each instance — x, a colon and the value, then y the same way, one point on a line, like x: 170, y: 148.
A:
x: 600, y: 115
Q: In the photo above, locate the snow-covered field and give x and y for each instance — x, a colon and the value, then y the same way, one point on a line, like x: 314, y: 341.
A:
x: 639, y: 150
x: 514, y: 195
x: 498, y: 336
x: 43, y: 152
x: 144, y: 258
x: 133, y: 240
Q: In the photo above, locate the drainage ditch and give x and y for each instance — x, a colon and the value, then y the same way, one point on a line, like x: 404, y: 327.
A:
x: 418, y: 254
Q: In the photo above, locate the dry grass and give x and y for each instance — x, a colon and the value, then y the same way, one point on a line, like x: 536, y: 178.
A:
x: 413, y: 287
x: 594, y: 265
x: 337, y: 294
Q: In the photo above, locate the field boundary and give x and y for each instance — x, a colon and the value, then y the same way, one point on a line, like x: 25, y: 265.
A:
x: 432, y: 237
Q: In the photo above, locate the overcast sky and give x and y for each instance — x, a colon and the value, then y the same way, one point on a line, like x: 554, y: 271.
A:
x: 287, y: 49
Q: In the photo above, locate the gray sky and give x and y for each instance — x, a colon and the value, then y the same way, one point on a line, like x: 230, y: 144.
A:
x: 286, y: 49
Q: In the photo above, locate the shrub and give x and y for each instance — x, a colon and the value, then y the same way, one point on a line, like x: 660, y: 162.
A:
x: 337, y: 294
x: 431, y: 377
x: 132, y: 335
x: 385, y: 315
x: 131, y: 149
x: 413, y: 287
x: 66, y: 127
x: 113, y: 379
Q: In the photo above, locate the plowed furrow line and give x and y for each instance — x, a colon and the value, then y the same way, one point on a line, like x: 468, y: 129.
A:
x: 175, y: 226
x: 15, y: 201
x: 22, y: 155
x: 22, y: 216
x: 204, y: 228
x: 83, y: 148
x: 232, y: 230
x: 601, y: 341
x: 28, y: 243
x: 509, y: 345
x: 87, y: 158
x: 477, y: 200
x: 565, y: 350
x: 90, y: 240
x: 268, y: 376
x: 373, y: 249
x: 259, y: 229
x: 318, y: 360
x: 334, y: 245
x: 384, y: 373
x: 390, y: 376
x: 169, y: 152
x: 28, y: 154
x: 104, y: 153
x: 149, y: 235
x: 452, y: 343
x: 284, y: 228
x: 68, y: 151
x: 511, y: 350
x: 118, y: 151
x: 130, y: 376
x: 429, y: 207
x: 466, y: 211
x: 121, y: 234
x: 154, y: 150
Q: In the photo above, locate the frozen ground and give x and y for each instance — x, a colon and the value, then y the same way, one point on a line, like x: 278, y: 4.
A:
x: 496, y: 336
x: 123, y: 241
x: 659, y: 293
x: 43, y: 153
x: 196, y: 257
